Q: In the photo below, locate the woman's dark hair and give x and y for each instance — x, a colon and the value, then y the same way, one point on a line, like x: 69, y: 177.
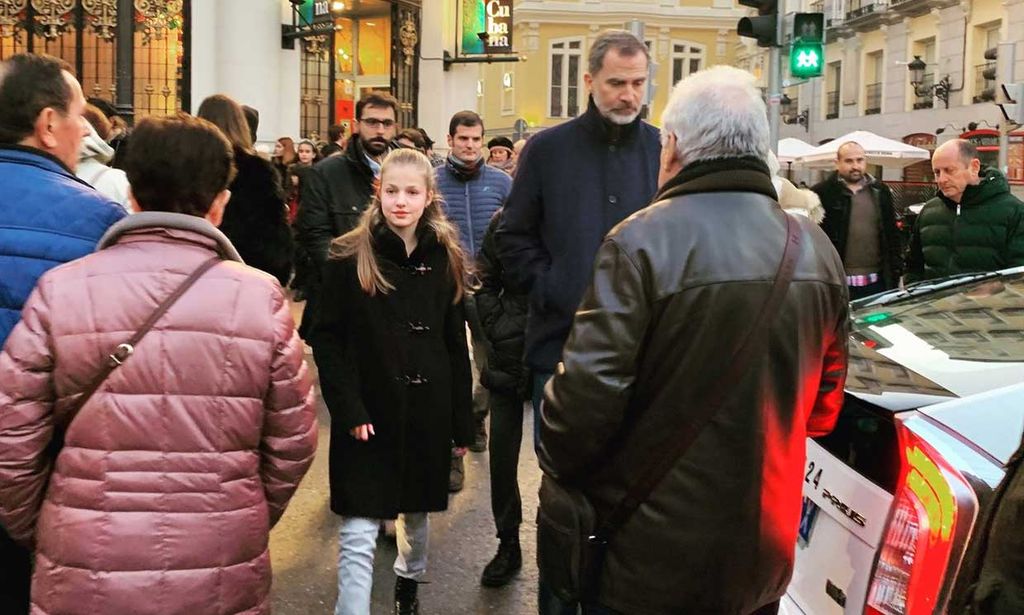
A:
x: 413, y: 135
x: 227, y: 115
x: 178, y: 164
x: 95, y: 116
x: 30, y: 83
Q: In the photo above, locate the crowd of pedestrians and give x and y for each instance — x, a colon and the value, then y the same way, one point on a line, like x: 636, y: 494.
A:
x: 156, y: 410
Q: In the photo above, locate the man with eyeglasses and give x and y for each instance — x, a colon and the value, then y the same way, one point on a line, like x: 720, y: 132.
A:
x: 337, y: 190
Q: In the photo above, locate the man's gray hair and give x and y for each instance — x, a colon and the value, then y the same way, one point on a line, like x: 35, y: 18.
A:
x: 717, y: 113
x: 623, y: 42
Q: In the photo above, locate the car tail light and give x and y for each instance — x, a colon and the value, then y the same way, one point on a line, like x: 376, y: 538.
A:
x: 915, y: 554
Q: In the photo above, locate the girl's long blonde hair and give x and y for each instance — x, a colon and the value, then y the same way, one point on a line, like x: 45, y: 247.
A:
x: 359, y: 241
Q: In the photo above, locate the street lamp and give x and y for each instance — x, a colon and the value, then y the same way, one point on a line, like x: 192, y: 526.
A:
x: 786, y: 106
x: 940, y: 90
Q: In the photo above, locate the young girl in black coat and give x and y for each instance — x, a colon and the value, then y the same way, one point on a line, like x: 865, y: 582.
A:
x: 394, y: 371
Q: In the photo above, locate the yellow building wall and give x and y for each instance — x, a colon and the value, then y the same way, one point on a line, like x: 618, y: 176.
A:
x: 532, y: 79
x: 833, y: 53
x: 871, y: 42
x: 983, y: 13
x: 921, y: 28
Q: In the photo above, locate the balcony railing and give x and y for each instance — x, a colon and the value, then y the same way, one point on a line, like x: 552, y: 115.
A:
x: 984, y: 89
x: 925, y: 102
x: 832, y: 110
x: 873, y: 101
x: 859, y: 10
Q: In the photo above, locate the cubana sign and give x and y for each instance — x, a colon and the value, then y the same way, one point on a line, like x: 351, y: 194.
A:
x: 490, y: 17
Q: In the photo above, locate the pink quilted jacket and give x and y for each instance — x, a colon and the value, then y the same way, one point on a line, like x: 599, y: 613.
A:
x: 171, y: 476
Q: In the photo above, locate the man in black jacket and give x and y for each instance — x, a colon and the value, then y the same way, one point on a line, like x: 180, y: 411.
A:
x: 502, y: 315
x: 338, y: 189
x: 671, y: 300
x: 861, y: 222
x: 573, y: 183
x: 991, y: 579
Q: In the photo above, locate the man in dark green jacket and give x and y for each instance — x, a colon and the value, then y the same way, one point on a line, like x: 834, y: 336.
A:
x: 975, y: 224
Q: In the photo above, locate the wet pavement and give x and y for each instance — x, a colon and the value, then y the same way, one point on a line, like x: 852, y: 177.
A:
x: 304, y: 546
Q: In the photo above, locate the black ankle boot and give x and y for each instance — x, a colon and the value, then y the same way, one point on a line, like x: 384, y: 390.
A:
x: 505, y: 564
x: 405, y: 597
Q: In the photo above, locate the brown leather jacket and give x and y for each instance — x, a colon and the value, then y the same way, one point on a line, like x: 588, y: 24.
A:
x: 162, y: 498
x: 675, y: 288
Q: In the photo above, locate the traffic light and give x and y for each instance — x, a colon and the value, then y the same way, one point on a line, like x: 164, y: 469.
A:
x: 807, y: 55
x: 989, y: 75
x: 764, y: 26
x: 1010, y: 99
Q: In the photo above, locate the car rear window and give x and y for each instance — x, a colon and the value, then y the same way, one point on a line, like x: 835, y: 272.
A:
x: 865, y: 439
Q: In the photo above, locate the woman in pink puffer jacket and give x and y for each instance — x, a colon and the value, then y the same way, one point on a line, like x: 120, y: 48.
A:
x: 172, y: 474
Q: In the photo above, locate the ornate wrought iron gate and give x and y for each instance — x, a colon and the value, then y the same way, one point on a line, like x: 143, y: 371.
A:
x: 85, y: 33
x: 405, y: 52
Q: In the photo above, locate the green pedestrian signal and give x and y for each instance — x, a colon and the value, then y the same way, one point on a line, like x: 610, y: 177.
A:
x: 807, y: 54
x: 806, y: 59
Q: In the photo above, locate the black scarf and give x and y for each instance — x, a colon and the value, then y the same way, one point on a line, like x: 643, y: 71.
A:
x: 464, y: 171
x: 740, y: 174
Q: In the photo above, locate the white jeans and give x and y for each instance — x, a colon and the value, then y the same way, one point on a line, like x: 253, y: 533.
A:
x: 357, y: 543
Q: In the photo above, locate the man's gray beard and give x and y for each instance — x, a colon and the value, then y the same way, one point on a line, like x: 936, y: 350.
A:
x: 615, y: 118
x: 622, y: 120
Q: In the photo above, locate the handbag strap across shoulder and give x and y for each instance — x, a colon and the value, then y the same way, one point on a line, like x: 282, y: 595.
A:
x: 126, y: 349
x: 674, y: 447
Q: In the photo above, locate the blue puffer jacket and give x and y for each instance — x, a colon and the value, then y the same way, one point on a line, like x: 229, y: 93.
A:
x: 470, y: 205
x: 47, y: 217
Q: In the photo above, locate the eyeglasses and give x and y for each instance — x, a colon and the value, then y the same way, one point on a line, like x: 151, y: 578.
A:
x: 373, y: 122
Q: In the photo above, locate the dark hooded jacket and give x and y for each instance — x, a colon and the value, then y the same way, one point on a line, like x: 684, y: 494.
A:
x: 836, y: 198
x: 670, y: 301
x: 502, y: 314
x: 334, y: 194
x: 991, y: 580
x: 984, y: 232
x: 256, y: 217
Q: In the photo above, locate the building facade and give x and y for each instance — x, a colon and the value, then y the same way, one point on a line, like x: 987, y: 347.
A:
x: 867, y: 81
x: 553, y: 39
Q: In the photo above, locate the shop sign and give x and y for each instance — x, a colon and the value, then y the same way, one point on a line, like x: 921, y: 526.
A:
x: 982, y: 138
x: 316, y: 11
x: 485, y: 27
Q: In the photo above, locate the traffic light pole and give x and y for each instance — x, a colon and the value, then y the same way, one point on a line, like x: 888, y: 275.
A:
x: 775, y: 78
x: 1004, y: 70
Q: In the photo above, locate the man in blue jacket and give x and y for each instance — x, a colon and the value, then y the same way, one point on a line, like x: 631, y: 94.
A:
x: 47, y: 215
x: 472, y: 192
x: 574, y: 182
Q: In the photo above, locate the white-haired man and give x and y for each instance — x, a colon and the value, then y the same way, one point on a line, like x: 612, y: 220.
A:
x: 678, y: 290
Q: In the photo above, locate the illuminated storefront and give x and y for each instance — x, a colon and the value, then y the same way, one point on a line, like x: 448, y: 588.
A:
x: 374, y: 45
x: 144, y: 40
x: 987, y: 142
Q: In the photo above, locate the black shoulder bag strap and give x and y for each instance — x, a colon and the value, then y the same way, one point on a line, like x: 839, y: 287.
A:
x: 126, y: 349
x: 673, y: 448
